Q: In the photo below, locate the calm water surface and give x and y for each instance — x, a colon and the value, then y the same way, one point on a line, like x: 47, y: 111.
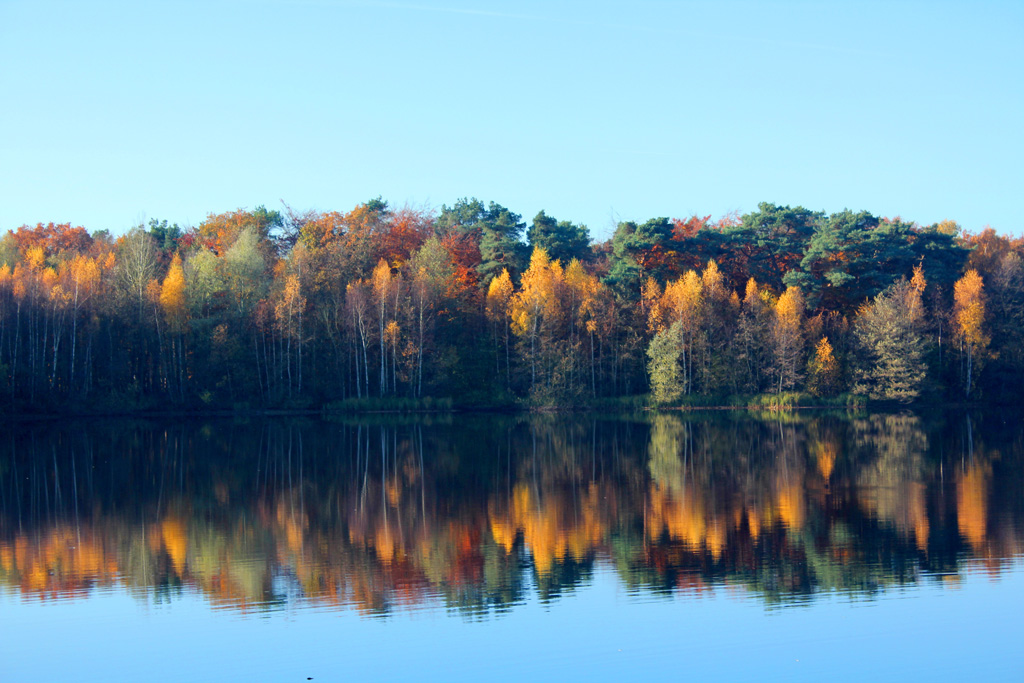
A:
x: 508, y: 548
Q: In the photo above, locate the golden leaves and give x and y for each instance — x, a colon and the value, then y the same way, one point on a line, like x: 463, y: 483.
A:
x: 969, y: 309
x: 172, y: 292
x: 499, y: 295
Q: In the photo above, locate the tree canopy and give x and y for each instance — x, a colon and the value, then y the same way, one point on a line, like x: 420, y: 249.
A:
x: 273, y: 308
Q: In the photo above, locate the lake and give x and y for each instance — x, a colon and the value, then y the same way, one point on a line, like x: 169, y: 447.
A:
x: 729, y: 545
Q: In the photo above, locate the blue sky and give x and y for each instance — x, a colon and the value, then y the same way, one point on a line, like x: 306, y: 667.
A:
x: 593, y: 111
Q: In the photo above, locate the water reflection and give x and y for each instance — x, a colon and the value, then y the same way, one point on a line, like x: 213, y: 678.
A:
x: 478, y: 514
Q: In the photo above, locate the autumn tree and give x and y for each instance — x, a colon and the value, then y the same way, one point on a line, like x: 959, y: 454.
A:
x: 384, y: 288
x: 537, y: 319
x: 499, y: 299
x: 788, y: 339
x: 720, y: 320
x: 753, y: 338
x: 684, y: 301
x: 172, y: 301
x: 54, y: 238
x: 80, y: 276
x: 823, y: 370
x: 969, y: 327
x: 219, y: 232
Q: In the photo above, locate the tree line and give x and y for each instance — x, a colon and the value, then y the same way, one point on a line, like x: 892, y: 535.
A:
x: 469, y: 304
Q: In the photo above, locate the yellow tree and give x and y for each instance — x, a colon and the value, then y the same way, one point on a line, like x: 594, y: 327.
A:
x: 650, y: 301
x: 753, y: 336
x: 81, y: 278
x: 172, y: 301
x: 969, y: 325
x: 288, y: 314
x: 383, y: 290
x: 787, y: 335
x: 536, y: 309
x: 6, y: 287
x: 499, y: 299
x: 172, y: 295
x: 683, y: 301
x: 590, y: 299
x: 528, y: 304
x: 823, y: 370
x: 392, y: 333
x: 61, y: 300
x: 718, y: 322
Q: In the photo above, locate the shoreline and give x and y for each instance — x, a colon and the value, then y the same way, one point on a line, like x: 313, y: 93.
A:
x: 324, y: 412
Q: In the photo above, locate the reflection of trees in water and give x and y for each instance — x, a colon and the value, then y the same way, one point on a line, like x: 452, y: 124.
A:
x: 890, y: 479
x: 822, y: 504
x: 478, y: 514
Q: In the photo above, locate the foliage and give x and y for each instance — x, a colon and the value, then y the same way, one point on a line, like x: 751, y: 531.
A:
x: 823, y: 370
x: 664, y: 352
x: 275, y: 309
x: 969, y: 325
x: 889, y: 332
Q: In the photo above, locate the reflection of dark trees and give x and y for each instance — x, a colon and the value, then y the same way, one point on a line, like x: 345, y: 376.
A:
x: 478, y: 512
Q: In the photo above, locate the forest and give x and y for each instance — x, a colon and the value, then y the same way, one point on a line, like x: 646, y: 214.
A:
x: 470, y: 306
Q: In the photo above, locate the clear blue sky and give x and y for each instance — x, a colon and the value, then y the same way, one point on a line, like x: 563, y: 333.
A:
x: 111, y: 111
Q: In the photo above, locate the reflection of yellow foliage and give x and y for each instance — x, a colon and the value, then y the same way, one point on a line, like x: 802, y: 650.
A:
x: 504, y: 535
x: 919, y: 515
x: 738, y: 515
x: 683, y: 517
x: 972, y: 505
x: 63, y: 562
x: 293, y: 534
x: 293, y: 522
x: 553, y: 529
x: 791, y: 503
x: 384, y: 544
x: 360, y: 550
x: 825, y: 454
x: 393, y: 492
x: 176, y: 541
x: 716, y: 539
x: 754, y: 523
